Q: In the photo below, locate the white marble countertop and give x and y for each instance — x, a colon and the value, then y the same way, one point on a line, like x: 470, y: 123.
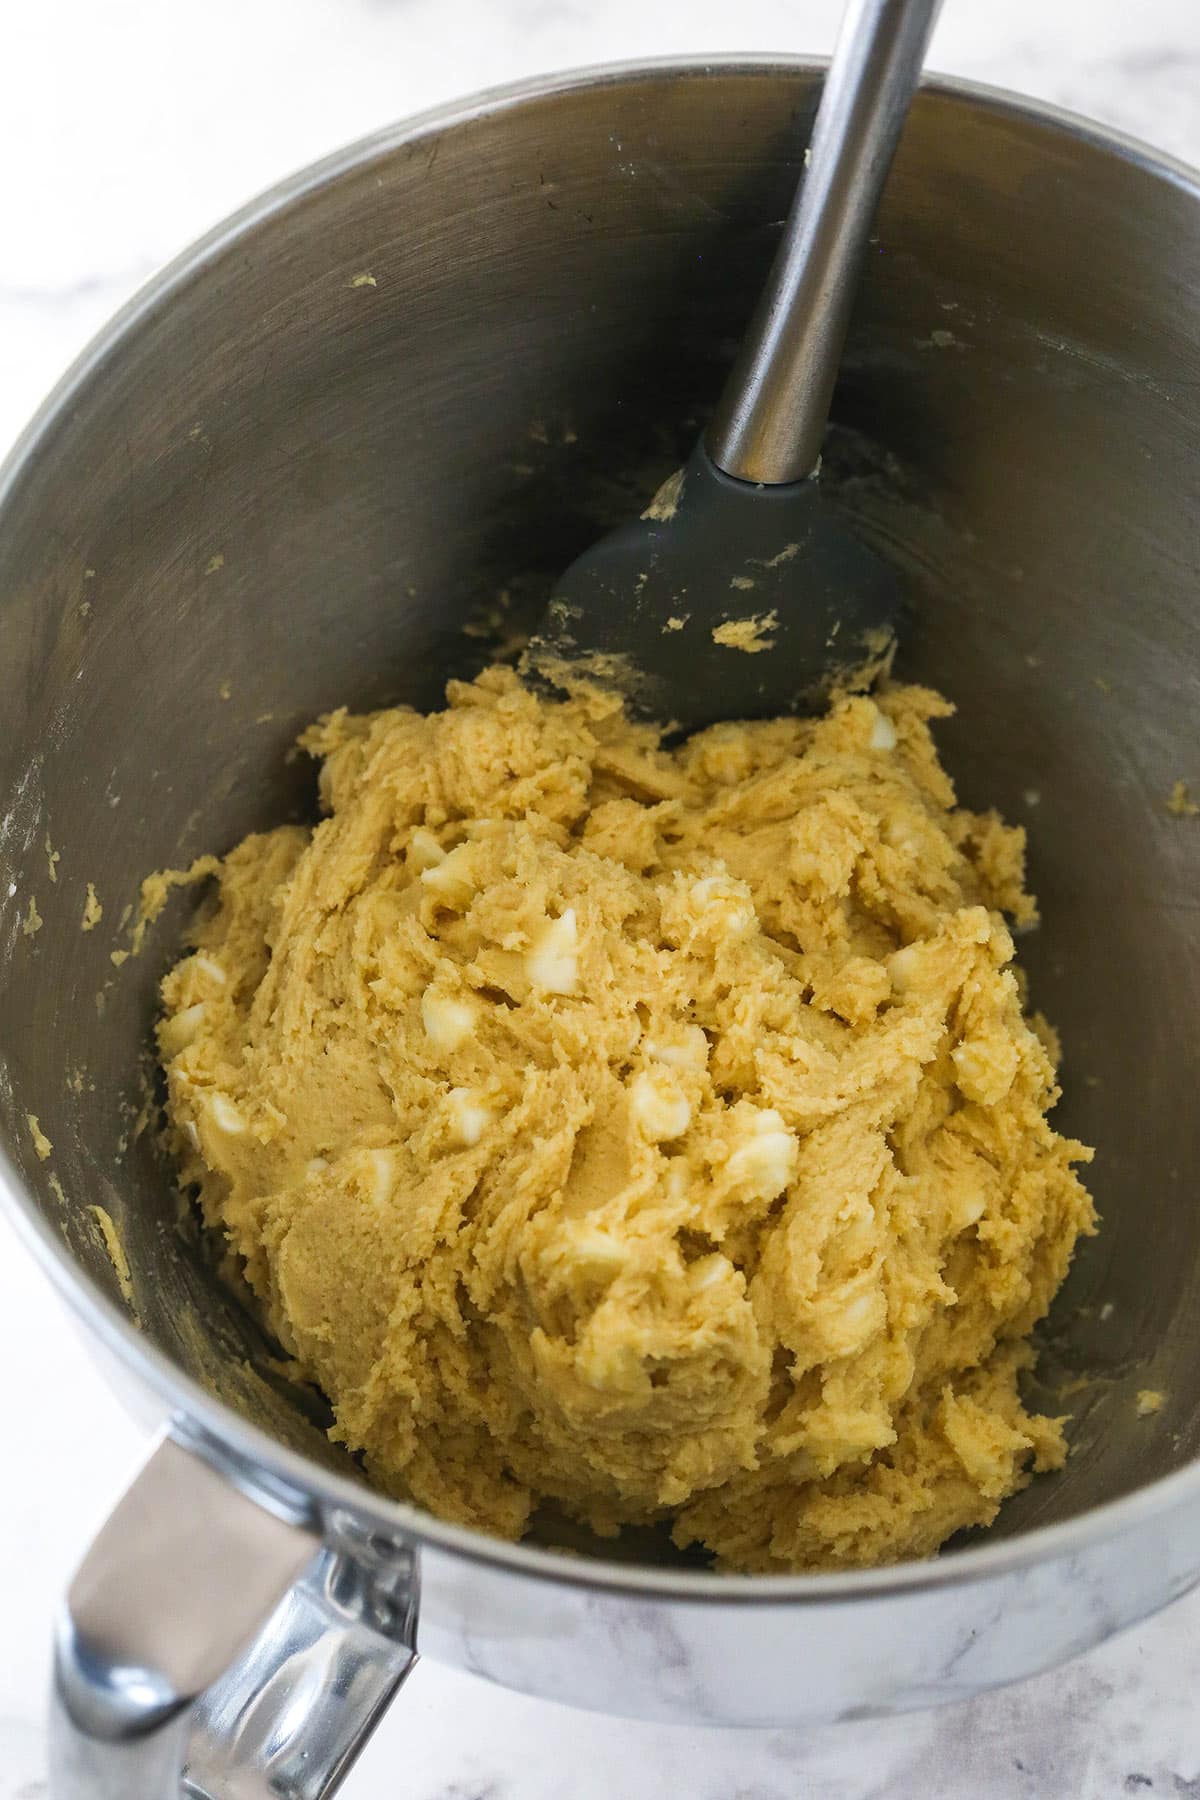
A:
x: 127, y: 128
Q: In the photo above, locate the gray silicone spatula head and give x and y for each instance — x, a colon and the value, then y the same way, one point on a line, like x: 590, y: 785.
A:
x: 742, y: 592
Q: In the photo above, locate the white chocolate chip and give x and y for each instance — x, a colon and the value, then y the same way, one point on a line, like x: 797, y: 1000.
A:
x: 225, y: 1116
x: 210, y: 968
x: 859, y: 1319
x: 969, y: 1211
x: 596, y: 1249
x: 686, y: 1049
x: 678, y: 1182
x: 766, y: 1159
x: 448, y: 1022
x: 469, y: 1115
x: 453, y: 879
x: 883, y: 732
x: 423, y: 851
x: 315, y: 1165
x: 553, y: 963
x: 383, y: 1175
x: 706, y: 1271
x: 175, y: 1034
x: 720, y: 900
x: 659, y: 1109
x: 984, y: 1068
x: 192, y: 1135
x: 903, y: 967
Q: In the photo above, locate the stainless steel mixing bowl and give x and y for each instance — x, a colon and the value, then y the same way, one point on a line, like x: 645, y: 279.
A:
x: 420, y: 376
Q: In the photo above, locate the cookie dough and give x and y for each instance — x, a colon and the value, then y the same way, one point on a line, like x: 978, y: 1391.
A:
x: 652, y: 1133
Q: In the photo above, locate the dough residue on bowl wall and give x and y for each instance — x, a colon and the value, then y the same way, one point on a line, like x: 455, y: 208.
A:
x: 110, y: 1237
x: 655, y: 1132
x: 1180, y: 802
x: 752, y: 634
x: 43, y: 1148
x: 93, y: 912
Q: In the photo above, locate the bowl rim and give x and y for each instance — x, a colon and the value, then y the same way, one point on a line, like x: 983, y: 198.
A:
x: 269, y: 1470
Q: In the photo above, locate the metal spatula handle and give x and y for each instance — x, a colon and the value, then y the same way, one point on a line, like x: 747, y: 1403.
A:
x: 771, y: 418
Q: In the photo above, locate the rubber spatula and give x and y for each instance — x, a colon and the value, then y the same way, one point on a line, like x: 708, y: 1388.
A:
x: 741, y: 592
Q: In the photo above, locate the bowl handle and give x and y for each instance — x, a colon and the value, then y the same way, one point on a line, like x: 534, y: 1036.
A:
x: 167, y: 1681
